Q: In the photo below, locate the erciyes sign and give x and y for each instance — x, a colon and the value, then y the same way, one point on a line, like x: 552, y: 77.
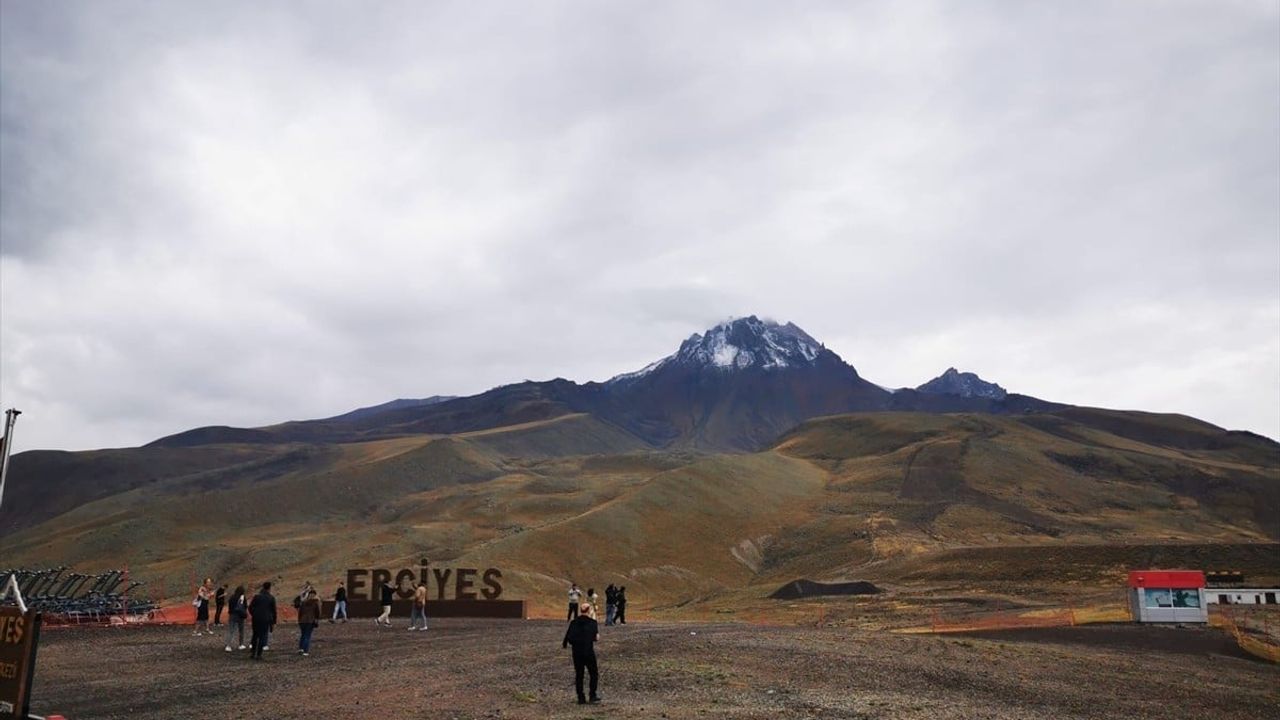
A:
x: 19, y: 633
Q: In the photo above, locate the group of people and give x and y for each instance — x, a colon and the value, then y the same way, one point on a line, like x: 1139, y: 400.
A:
x: 260, y: 611
x: 615, y: 599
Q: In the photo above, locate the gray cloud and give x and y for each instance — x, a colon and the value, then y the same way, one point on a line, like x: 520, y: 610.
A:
x: 245, y: 212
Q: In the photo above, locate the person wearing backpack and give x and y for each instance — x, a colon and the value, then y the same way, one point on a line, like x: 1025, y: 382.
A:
x: 237, y: 611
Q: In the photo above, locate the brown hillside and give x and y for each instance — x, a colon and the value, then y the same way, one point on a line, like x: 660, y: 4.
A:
x: 892, y: 498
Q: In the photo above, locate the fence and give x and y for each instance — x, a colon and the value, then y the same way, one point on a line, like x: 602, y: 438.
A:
x: 1258, y: 636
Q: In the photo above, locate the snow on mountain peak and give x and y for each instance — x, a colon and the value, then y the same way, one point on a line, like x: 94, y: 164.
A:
x: 750, y: 342
x: 739, y: 344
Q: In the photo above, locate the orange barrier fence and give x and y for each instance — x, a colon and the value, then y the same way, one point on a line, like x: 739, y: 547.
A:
x: 1004, y: 621
x: 1259, y: 637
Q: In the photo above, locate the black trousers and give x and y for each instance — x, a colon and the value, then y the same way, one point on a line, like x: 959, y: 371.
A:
x: 217, y: 614
x: 588, y: 663
x: 573, y: 610
x: 622, y: 614
x: 260, y: 630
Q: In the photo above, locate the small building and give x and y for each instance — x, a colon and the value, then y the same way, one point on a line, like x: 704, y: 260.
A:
x: 1242, y: 596
x: 1167, y: 596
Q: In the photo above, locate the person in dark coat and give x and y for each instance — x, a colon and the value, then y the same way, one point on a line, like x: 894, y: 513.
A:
x: 621, y: 600
x: 220, y: 600
x: 237, y: 611
x: 308, y: 619
x: 610, y: 604
x: 262, y: 610
x: 339, y: 603
x: 387, y: 594
x: 582, y: 635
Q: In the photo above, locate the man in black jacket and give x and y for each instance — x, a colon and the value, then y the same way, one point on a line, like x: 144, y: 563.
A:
x: 220, y: 598
x: 582, y: 634
x: 387, y: 594
x: 262, y: 609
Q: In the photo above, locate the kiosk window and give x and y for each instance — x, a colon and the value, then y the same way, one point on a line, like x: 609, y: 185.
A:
x: 1186, y: 598
x: 1159, y: 597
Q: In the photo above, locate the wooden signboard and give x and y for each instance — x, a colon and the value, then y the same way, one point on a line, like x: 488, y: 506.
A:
x: 19, y: 633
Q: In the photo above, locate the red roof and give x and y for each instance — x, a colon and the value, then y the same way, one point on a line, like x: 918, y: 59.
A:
x: 1166, y: 579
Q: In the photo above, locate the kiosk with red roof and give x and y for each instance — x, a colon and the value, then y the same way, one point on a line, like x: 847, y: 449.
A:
x: 1167, y: 596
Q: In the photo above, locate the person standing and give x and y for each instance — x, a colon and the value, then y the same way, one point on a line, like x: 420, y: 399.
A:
x: 594, y: 599
x: 582, y: 635
x: 385, y: 617
x: 220, y: 599
x: 308, y: 619
x: 339, y: 603
x: 622, y: 605
x: 262, y: 612
x: 575, y: 597
x: 204, y: 594
x: 610, y: 604
x: 419, y: 610
x: 237, y: 611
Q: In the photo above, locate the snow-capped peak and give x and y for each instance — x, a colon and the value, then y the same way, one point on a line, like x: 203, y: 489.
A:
x: 740, y: 344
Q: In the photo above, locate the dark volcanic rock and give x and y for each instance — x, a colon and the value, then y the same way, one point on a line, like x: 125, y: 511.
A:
x: 797, y: 589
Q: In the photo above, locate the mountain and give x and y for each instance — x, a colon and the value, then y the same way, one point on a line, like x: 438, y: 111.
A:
x: 966, y: 385
x: 913, y: 502
x: 736, y: 387
x: 749, y: 457
x: 399, y: 404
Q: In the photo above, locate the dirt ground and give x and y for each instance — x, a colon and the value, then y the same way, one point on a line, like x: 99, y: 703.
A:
x: 516, y: 669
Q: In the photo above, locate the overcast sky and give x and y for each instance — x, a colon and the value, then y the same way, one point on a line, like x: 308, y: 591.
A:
x: 243, y: 213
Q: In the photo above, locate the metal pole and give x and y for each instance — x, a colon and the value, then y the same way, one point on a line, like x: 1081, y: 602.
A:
x: 10, y: 419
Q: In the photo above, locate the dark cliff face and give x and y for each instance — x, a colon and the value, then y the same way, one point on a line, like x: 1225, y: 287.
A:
x: 963, y: 384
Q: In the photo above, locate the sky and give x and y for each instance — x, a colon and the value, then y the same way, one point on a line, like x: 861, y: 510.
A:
x: 240, y: 213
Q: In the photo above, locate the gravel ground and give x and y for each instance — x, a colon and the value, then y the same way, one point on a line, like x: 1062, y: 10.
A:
x: 516, y: 669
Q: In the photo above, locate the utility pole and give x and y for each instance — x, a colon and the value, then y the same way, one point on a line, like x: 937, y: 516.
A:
x: 6, y: 444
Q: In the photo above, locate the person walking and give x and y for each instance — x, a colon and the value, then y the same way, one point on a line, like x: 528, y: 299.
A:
x: 339, y: 603
x: 237, y: 611
x: 575, y: 597
x: 582, y: 635
x: 419, y: 610
x: 385, y: 617
x: 308, y: 620
x: 262, y: 612
x: 622, y: 605
x: 610, y: 604
x: 220, y: 599
x: 204, y: 594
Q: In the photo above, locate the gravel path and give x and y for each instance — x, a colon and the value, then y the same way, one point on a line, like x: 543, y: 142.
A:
x: 515, y: 669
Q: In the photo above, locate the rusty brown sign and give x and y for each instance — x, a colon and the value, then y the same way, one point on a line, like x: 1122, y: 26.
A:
x: 19, y: 635
x: 457, y: 583
x: 451, y: 592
